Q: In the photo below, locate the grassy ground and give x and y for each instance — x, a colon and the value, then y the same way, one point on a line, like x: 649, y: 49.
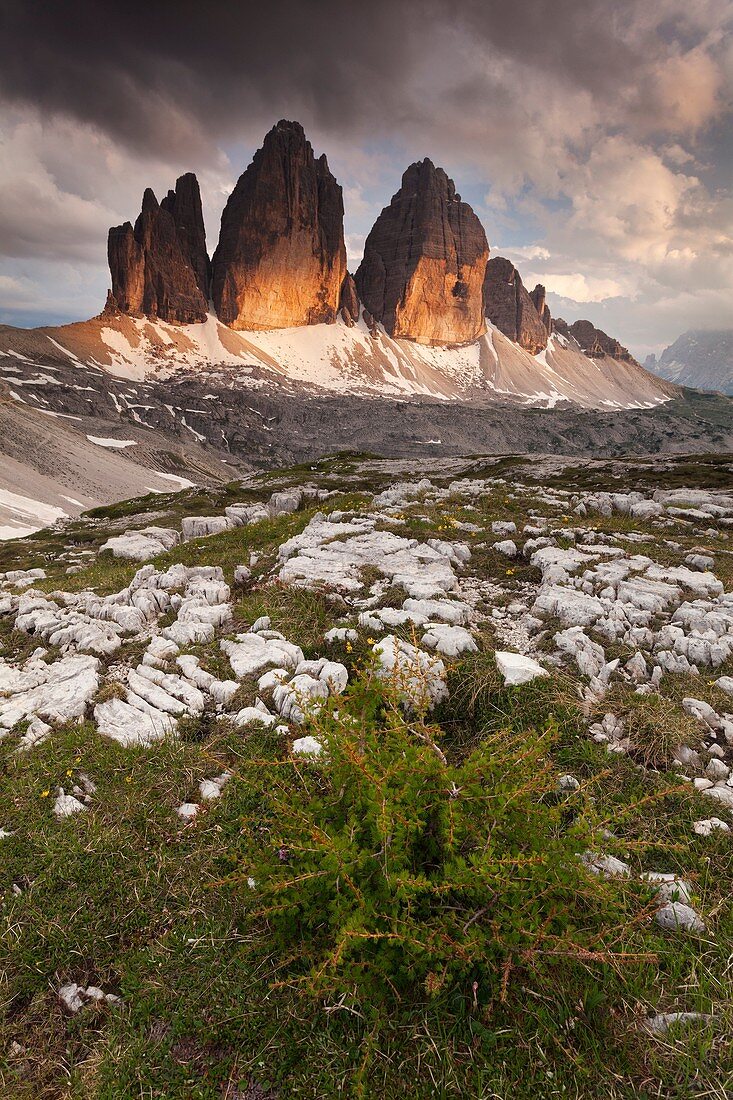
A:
x: 128, y: 897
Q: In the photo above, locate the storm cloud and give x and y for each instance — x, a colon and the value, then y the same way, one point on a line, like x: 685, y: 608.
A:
x: 590, y: 131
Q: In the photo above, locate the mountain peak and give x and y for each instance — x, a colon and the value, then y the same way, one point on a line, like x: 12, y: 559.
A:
x: 424, y: 262
x: 281, y: 257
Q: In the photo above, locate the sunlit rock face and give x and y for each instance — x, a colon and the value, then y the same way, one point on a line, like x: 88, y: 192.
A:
x: 511, y: 308
x: 160, y: 268
x: 424, y: 262
x: 281, y: 258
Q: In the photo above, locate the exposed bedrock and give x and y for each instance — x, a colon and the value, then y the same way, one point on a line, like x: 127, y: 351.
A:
x: 512, y: 309
x: 281, y: 258
x: 159, y: 268
x: 424, y: 262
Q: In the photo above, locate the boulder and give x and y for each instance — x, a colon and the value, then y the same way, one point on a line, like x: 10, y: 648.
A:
x: 424, y: 262
x: 281, y: 257
x: 518, y: 669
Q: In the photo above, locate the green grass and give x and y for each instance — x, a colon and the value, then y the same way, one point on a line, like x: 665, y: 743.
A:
x: 129, y: 897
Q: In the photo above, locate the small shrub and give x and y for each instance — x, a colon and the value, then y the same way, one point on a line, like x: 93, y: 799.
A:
x: 383, y: 871
x: 113, y: 689
x: 656, y: 727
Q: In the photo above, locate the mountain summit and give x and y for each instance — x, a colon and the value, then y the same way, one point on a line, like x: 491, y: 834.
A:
x: 698, y: 358
x: 160, y: 268
x: 424, y: 262
x: 281, y: 257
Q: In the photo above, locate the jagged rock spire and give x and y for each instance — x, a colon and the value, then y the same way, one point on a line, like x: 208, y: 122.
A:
x: 159, y: 268
x: 424, y: 262
x: 281, y: 258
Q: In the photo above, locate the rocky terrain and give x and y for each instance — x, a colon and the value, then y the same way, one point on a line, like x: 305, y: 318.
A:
x: 430, y: 345
x: 75, y: 434
x: 594, y: 341
x: 698, y: 358
x: 155, y: 655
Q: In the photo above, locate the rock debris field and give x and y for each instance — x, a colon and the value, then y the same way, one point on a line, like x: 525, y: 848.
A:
x: 623, y: 597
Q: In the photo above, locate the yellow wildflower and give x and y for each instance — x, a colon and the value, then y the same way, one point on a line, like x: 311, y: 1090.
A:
x: 45, y: 794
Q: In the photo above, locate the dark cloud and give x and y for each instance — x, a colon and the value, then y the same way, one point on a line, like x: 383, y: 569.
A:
x: 592, y: 131
x: 163, y: 75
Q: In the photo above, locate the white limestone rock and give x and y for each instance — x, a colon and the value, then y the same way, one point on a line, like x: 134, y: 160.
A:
x: 341, y: 634
x: 422, y: 569
x: 142, y: 544
x: 250, y: 653
x: 210, y: 789
x: 445, y: 611
x: 66, y: 805
x: 196, y: 527
x: 57, y: 692
x: 707, y: 826
x: 257, y: 715
x: 131, y: 727
x: 675, y: 916
x: 299, y: 697
x: 722, y: 793
x: 605, y: 866
x: 335, y: 675
x: 307, y: 746
x: 661, y: 1024
x: 517, y: 668
x: 450, y: 641
x: 287, y: 500
x: 504, y: 527
x: 75, y: 997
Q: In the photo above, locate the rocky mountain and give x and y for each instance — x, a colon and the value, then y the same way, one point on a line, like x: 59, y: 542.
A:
x: 698, y: 358
x: 281, y: 258
x: 424, y: 262
x: 524, y: 318
x: 594, y: 342
x: 431, y: 344
x: 159, y: 269
x: 184, y: 206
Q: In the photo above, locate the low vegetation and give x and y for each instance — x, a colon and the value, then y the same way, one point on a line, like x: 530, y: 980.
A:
x: 407, y: 914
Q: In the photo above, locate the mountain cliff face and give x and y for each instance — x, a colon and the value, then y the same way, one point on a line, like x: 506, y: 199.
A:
x: 698, y: 358
x: 424, y: 262
x: 160, y: 268
x: 281, y: 258
x: 512, y: 309
x: 184, y: 206
x: 594, y: 341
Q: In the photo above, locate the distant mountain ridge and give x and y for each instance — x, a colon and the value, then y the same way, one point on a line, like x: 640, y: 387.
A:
x: 699, y: 358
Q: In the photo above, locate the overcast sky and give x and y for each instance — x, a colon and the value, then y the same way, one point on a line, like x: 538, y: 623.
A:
x: 592, y: 137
